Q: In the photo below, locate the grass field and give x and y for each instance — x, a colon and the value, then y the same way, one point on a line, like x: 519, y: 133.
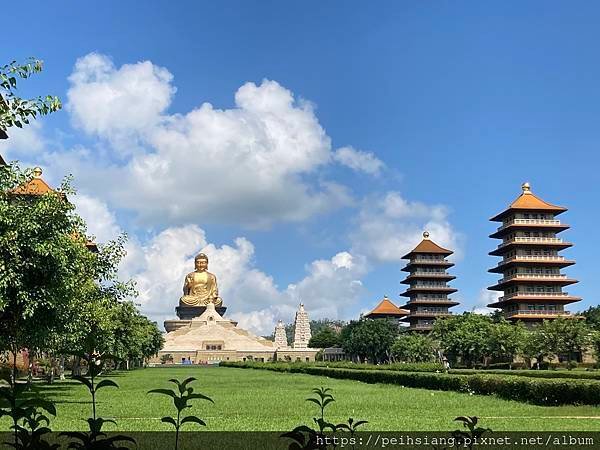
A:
x: 248, y: 399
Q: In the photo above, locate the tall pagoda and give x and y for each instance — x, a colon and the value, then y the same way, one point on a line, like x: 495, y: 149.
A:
x: 531, y: 280
x: 428, y: 288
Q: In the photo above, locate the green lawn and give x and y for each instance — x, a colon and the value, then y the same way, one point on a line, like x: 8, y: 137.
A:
x: 247, y: 399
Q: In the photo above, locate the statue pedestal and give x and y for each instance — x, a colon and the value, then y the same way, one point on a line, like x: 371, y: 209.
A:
x: 189, y: 312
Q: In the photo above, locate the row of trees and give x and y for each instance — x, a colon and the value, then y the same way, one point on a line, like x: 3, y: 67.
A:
x: 468, y: 339
x: 58, y: 298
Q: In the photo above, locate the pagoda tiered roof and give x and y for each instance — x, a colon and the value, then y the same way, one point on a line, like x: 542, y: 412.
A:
x: 386, y: 308
x: 528, y: 201
x: 427, y: 246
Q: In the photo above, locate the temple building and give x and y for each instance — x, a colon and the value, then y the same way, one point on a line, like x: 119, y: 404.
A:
x: 281, y: 340
x: 202, y: 335
x: 427, y: 281
x: 532, y: 282
x: 386, y: 310
x: 302, y: 332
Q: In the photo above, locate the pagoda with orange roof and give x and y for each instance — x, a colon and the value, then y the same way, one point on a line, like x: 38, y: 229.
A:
x: 386, y: 309
x: 531, y: 279
x: 427, y: 281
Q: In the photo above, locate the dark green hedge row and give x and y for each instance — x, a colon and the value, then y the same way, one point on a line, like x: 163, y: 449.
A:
x: 532, y: 390
x: 435, y: 367
x: 533, y: 373
x: 407, y: 367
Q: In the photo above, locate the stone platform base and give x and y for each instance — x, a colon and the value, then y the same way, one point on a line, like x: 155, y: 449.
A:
x: 189, y: 312
x: 172, y: 325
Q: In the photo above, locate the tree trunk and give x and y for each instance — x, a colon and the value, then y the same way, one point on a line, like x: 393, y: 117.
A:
x: 61, y: 367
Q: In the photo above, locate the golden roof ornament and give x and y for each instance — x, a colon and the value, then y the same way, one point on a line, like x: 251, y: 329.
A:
x: 526, y: 188
x: 37, y: 172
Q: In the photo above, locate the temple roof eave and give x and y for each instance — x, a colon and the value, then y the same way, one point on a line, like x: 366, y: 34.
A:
x: 546, y: 281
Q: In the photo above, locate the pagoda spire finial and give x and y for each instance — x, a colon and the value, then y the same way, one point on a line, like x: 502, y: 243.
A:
x: 526, y: 188
x: 37, y: 172
x: 425, y: 234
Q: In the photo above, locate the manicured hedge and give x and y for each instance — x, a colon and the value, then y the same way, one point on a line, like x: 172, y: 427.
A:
x: 537, y: 391
x: 549, y: 374
x: 435, y: 367
x: 406, y: 367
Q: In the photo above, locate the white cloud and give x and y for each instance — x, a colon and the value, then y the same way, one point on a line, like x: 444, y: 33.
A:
x: 23, y: 143
x: 117, y: 103
x: 251, y: 165
x: 101, y: 222
x: 486, y: 297
x: 358, y: 160
x: 388, y: 228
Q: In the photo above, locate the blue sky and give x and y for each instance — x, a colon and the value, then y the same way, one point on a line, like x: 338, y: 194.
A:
x: 460, y: 102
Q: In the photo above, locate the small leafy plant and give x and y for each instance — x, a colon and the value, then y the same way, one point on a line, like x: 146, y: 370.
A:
x: 29, y: 424
x: 181, y: 396
x: 472, y: 435
x: 95, y: 438
x: 305, y: 437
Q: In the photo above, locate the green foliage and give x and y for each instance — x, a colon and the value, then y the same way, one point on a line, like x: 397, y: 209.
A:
x: 506, y: 340
x: 592, y: 317
x: 468, y: 439
x: 369, y: 339
x: 464, y: 336
x: 181, y: 398
x: 305, y: 437
x: 532, y: 390
x: 414, y: 348
x: 14, y: 110
x: 44, y: 263
x: 29, y: 423
x: 565, y: 336
x: 95, y: 438
x: 324, y: 338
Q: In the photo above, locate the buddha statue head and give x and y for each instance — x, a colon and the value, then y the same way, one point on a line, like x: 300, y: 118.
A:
x: 201, y: 262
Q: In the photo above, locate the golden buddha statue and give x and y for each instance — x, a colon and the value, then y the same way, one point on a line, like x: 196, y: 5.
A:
x: 200, y: 286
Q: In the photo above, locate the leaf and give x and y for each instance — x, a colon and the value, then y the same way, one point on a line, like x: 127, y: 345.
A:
x: 314, y: 400
x: 180, y: 403
x: 199, y: 396
x: 85, y: 381
x: 327, y: 402
x: 193, y: 419
x: 170, y: 420
x: 105, y: 383
x: 168, y: 392
x: 40, y: 403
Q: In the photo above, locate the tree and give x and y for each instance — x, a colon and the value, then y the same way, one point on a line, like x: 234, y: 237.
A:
x: 464, y: 336
x: 414, y: 347
x: 324, y: 338
x: 506, y: 340
x: 566, y: 336
x: 592, y: 317
x: 369, y: 338
x: 15, y: 111
x: 536, y: 346
x: 44, y: 262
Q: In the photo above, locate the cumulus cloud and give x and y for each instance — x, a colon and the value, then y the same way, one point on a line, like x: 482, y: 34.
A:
x: 158, y: 266
x: 486, y: 297
x: 389, y: 227
x: 117, y: 103
x: 23, y: 143
x: 358, y: 160
x: 253, y: 164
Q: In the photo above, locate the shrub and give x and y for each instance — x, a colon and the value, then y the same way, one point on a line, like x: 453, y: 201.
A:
x: 537, y: 391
